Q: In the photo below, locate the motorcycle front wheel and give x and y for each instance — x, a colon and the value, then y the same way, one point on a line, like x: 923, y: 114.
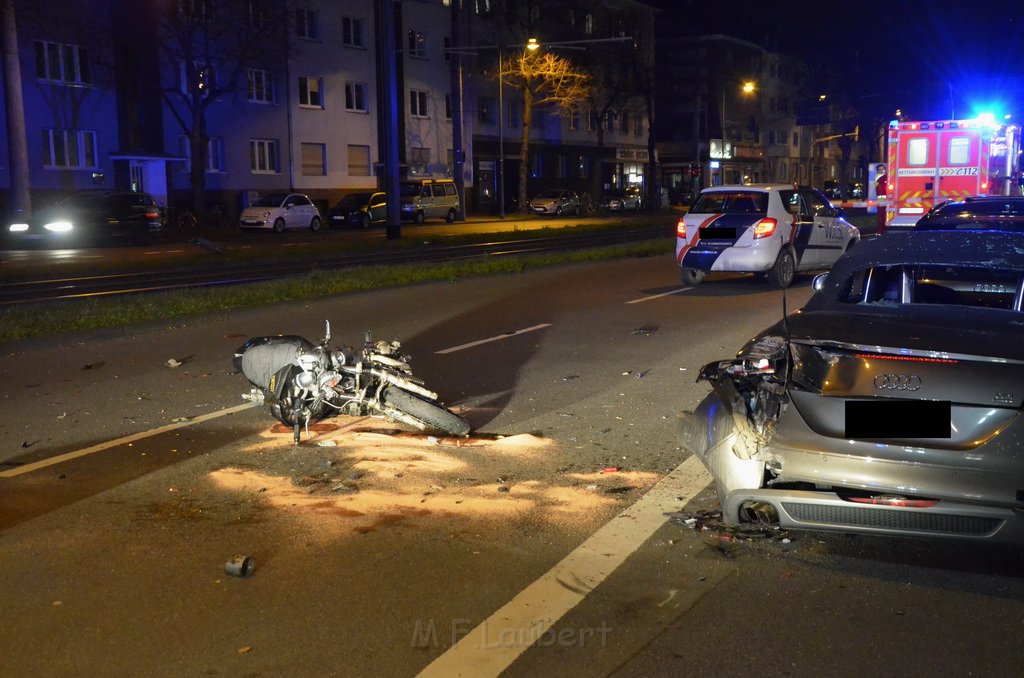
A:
x: 434, y: 416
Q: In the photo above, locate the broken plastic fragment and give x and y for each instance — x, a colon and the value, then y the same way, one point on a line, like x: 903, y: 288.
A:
x: 171, y: 362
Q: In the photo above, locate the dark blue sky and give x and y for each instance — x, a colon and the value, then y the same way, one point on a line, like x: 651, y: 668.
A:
x: 931, y: 59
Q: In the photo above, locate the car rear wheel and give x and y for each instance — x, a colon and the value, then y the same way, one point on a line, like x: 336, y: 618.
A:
x: 692, y: 276
x: 420, y: 217
x: 315, y: 224
x: 783, y: 271
x: 279, y: 225
x: 450, y: 217
x: 366, y: 221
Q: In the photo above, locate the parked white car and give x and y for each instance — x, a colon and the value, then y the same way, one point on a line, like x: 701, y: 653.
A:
x: 280, y: 211
x: 772, y: 229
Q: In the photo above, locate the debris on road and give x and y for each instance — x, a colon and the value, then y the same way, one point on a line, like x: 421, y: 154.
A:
x: 646, y: 330
x: 239, y: 566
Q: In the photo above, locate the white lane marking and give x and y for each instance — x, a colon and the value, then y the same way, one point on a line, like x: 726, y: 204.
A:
x: 658, y: 296
x: 61, y: 458
x: 157, y: 252
x: 492, y: 646
x: 471, y: 344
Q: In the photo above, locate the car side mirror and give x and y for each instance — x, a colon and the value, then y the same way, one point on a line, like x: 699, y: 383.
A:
x: 793, y: 209
x: 818, y: 283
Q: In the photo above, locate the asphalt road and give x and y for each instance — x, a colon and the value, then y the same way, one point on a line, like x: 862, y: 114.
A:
x: 541, y: 546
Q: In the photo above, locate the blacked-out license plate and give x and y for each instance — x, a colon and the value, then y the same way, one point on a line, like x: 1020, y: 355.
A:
x: 875, y: 419
x: 717, y: 233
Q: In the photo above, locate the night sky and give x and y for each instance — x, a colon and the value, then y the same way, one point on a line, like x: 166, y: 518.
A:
x: 933, y: 60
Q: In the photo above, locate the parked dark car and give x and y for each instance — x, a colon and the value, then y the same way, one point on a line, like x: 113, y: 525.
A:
x: 359, y: 210
x: 997, y: 212
x: 889, y: 404
x: 88, y: 217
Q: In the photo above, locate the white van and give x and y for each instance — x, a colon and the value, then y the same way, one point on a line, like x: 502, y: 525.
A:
x: 429, y: 199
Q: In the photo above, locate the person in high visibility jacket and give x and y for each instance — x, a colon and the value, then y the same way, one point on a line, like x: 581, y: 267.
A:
x: 881, y: 190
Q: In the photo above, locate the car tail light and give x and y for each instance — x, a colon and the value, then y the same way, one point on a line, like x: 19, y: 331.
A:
x: 894, y: 500
x: 765, y: 227
x: 152, y: 215
x: 681, y: 228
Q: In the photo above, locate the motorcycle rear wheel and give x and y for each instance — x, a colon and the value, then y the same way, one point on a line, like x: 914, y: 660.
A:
x: 434, y: 416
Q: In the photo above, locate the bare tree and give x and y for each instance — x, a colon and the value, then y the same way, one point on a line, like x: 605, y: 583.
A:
x: 543, y: 79
x: 207, y: 47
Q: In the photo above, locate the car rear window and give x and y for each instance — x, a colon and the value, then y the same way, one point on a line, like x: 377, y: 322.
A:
x: 950, y: 285
x: 732, y: 202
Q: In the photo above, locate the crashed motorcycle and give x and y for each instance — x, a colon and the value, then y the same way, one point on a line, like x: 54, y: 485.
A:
x: 301, y: 383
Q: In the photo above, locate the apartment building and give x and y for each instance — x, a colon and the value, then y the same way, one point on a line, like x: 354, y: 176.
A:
x: 273, y: 95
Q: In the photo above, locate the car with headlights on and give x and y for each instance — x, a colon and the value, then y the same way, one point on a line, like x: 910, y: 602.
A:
x: 889, y: 404
x: 359, y: 210
x: 279, y: 212
x: 90, y: 217
x: 776, y: 230
x: 555, y: 202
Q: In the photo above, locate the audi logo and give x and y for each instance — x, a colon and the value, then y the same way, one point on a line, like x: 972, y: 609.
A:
x: 897, y: 382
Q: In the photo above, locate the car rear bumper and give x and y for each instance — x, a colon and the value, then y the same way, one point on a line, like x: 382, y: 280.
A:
x: 812, y: 510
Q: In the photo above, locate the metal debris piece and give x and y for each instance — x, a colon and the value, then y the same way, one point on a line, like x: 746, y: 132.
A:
x: 208, y: 244
x: 646, y: 330
x: 239, y: 566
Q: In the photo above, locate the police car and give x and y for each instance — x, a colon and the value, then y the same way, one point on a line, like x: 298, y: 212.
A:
x: 772, y: 229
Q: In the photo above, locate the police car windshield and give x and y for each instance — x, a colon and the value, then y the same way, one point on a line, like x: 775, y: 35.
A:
x: 731, y: 202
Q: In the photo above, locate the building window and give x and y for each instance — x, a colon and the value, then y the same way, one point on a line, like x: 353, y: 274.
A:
x: 311, y: 92
x: 512, y: 119
x: 263, y: 156
x: 314, y: 160
x: 638, y: 127
x: 214, y: 154
x: 574, y: 117
x: 355, y: 96
x: 66, y: 64
x: 538, y: 165
x: 419, y: 160
x: 609, y: 121
x: 584, y: 166
x: 202, y: 77
x: 796, y: 139
x: 352, y: 32
x: 447, y: 106
x: 624, y: 122
x: 358, y: 161
x: 417, y: 103
x: 538, y: 119
x: 261, y: 87
x: 417, y: 44
x: 69, y: 149
x: 198, y: 10
x: 259, y: 13
x: 482, y: 7
x: 485, y: 110
x: 306, y: 24
x: 588, y: 24
x: 592, y: 120
x: 561, y: 167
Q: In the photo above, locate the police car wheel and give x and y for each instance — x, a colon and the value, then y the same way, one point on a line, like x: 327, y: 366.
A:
x: 783, y: 271
x: 420, y: 217
x: 692, y: 276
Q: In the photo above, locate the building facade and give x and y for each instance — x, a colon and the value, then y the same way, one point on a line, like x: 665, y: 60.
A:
x: 273, y: 95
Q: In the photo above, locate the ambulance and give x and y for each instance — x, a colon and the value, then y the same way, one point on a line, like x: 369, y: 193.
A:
x: 934, y: 161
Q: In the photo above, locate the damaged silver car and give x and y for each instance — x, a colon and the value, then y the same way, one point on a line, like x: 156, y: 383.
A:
x: 889, y: 404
